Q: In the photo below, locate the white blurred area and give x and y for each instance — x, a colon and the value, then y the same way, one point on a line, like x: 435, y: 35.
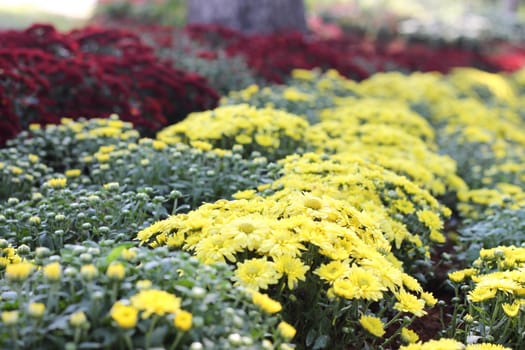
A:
x: 71, y: 8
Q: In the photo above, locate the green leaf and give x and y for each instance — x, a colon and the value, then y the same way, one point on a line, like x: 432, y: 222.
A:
x: 310, y: 337
x: 321, y: 342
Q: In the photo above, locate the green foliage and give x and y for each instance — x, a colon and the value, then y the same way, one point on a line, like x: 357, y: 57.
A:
x: 504, y: 227
x: 223, y: 72
x: 58, y: 216
x: 91, y: 279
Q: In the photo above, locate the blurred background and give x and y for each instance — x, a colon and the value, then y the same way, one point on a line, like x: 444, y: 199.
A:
x: 448, y: 20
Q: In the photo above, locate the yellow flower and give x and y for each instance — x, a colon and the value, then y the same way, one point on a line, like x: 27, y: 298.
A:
x: 57, y: 182
x: 124, y: 315
x: 266, y: 303
x: 292, y: 94
x: 286, y: 330
x: 246, y: 194
x: 429, y: 299
x: 408, y: 335
x: 468, y: 318
x: 52, y: 271
x: 36, y: 309
x: 293, y: 268
x: 256, y: 274
x: 10, y: 318
x: 159, y: 145
x: 33, y: 158
x: 89, y: 271
x: 73, y: 173
x: 303, y: 74
x: 361, y: 284
x: 128, y: 254
x: 111, y: 186
x: 344, y: 288
x: 16, y: 170
x: 102, y: 157
x: 333, y: 271
x: 77, y: 319
x: 182, y: 320
x: 106, y: 149
x: 430, y: 219
x: 116, y: 271
x: 243, y: 139
x: 266, y: 140
x: 441, y: 344
x: 143, y: 284
x: 153, y: 301
x: 404, y: 206
x: 511, y: 310
x: 456, y: 276
x: 409, y: 303
x: 35, y: 220
x: 19, y: 271
x: 203, y: 146
x: 372, y: 324
x: 437, y: 236
x: 481, y: 294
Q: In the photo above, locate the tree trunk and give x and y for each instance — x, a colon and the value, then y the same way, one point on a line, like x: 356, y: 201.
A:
x: 250, y: 16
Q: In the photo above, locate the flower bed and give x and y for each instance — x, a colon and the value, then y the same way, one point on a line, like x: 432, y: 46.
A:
x: 309, y: 215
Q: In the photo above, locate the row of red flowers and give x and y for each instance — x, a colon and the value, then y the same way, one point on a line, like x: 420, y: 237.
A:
x: 91, y: 72
x: 274, y: 56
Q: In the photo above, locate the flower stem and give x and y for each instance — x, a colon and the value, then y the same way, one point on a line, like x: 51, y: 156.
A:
x: 176, y: 341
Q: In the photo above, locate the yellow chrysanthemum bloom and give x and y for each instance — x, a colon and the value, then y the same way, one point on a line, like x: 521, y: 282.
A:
x: 116, y: 271
x: 10, y: 318
x: 430, y: 219
x: 128, y: 254
x: 33, y: 158
x: 73, y: 173
x: 266, y: 303
x: 441, y: 344
x: 409, y: 303
x: 256, y: 274
x: 17, y: 170
x: 511, y: 310
x: 36, y: 310
x: 182, y: 320
x: 125, y: 316
x: 372, y: 324
x: 159, y: 145
x: 143, y: 284
x: 292, y: 268
x: 78, y: 319
x: 52, y: 271
x: 304, y: 74
x: 158, y: 302
x: 409, y: 336
x: 19, y: 271
x: 89, y: 271
x: 286, y: 330
x: 333, y: 271
x: 361, y: 284
x: 481, y: 294
x: 57, y: 182
x: 429, y: 298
